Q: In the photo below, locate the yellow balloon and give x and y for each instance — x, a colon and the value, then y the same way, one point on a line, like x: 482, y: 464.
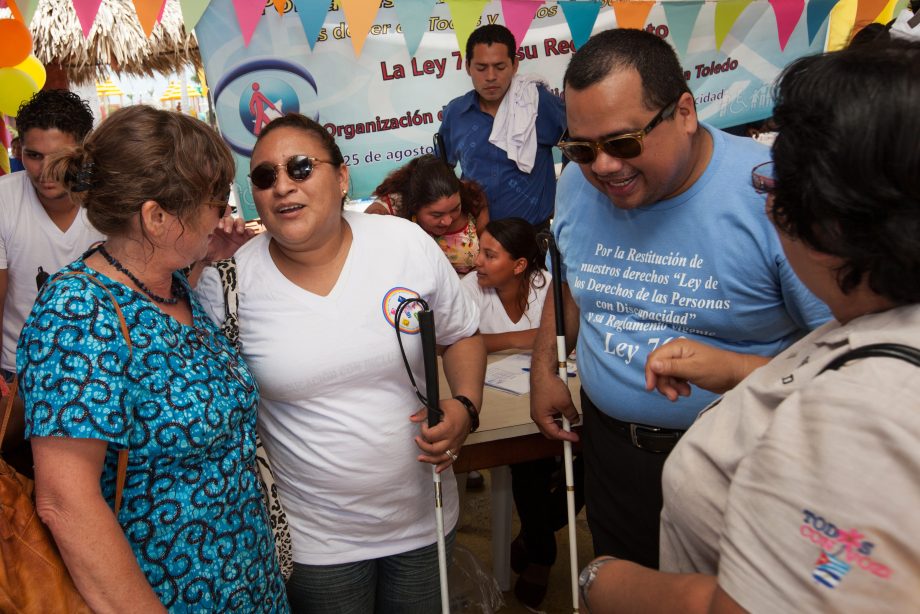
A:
x: 16, y: 87
x: 33, y: 67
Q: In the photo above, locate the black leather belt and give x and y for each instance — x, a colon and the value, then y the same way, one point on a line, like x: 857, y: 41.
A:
x: 649, y: 438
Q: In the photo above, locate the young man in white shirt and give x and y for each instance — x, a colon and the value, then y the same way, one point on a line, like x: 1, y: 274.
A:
x: 41, y: 229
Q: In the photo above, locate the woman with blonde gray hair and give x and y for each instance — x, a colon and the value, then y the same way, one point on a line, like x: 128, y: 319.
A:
x: 118, y: 354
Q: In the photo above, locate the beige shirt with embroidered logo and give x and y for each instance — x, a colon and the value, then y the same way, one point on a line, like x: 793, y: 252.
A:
x: 802, y: 492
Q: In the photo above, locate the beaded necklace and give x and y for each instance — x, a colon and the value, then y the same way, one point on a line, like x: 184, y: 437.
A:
x: 177, y: 289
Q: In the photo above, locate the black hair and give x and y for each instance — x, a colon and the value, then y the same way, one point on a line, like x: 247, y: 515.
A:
x: 491, y: 34
x: 519, y: 238
x: 847, y: 164
x: 872, y: 33
x: 656, y: 62
x: 305, y: 124
x: 427, y: 179
x: 49, y: 109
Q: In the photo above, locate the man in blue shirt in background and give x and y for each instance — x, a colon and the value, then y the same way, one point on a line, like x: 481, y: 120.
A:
x: 468, y: 122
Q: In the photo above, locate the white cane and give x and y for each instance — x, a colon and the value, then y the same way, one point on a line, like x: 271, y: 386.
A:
x: 432, y: 392
x: 561, y: 356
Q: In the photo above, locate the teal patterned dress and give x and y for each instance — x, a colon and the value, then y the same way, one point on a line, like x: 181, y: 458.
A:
x: 184, y: 404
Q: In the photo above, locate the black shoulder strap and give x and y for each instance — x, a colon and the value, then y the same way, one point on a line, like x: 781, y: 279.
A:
x: 888, y: 350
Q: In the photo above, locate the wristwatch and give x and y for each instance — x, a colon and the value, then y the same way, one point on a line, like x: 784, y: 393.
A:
x: 471, y: 410
x: 587, y: 577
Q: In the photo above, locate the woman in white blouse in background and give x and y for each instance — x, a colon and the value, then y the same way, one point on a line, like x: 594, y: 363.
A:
x: 510, y: 286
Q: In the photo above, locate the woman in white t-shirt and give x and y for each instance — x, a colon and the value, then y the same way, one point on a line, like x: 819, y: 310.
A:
x: 339, y: 418
x: 510, y: 286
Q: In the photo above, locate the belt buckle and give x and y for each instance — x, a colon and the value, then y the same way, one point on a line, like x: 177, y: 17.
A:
x: 633, y: 435
x: 635, y: 429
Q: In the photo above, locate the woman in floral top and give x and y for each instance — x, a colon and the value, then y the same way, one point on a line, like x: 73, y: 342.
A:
x: 452, y: 211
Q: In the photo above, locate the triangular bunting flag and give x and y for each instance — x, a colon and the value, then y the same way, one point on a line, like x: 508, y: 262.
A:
x: 787, y: 14
x: 360, y: 15
x: 867, y: 11
x: 192, y: 10
x: 580, y: 15
x: 148, y: 11
x: 681, y: 18
x: 891, y: 11
x: 899, y: 6
x: 519, y: 15
x: 17, y: 14
x: 465, y: 14
x: 840, y: 24
x: 631, y: 14
x: 248, y: 13
x: 816, y: 15
x: 23, y: 10
x: 312, y: 14
x: 86, y: 13
x: 727, y: 13
x: 413, y: 15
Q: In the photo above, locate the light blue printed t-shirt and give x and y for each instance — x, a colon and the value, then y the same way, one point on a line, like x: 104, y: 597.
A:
x: 706, y: 265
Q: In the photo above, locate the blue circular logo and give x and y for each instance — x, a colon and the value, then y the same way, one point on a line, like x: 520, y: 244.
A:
x: 265, y: 99
x: 267, y: 88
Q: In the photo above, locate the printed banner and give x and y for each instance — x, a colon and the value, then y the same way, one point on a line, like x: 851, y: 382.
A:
x: 384, y: 106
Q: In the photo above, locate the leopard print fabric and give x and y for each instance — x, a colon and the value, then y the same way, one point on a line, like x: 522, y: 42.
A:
x: 231, y: 329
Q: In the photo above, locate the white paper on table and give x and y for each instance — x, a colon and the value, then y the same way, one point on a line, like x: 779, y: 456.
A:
x: 512, y: 374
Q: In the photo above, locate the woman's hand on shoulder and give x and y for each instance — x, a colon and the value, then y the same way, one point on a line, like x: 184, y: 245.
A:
x: 231, y: 233
x: 448, y: 434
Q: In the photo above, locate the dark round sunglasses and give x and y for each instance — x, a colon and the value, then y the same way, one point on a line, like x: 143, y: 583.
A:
x: 298, y: 168
x: 624, y: 146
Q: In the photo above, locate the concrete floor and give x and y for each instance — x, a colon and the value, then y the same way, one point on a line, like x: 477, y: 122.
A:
x: 474, y: 534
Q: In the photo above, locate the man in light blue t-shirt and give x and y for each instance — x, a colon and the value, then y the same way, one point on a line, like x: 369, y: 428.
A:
x: 662, y: 236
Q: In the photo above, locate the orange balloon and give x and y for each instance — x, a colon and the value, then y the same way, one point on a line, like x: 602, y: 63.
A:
x: 15, y: 42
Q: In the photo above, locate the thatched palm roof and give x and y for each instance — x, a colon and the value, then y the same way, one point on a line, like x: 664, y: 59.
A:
x: 116, y: 42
